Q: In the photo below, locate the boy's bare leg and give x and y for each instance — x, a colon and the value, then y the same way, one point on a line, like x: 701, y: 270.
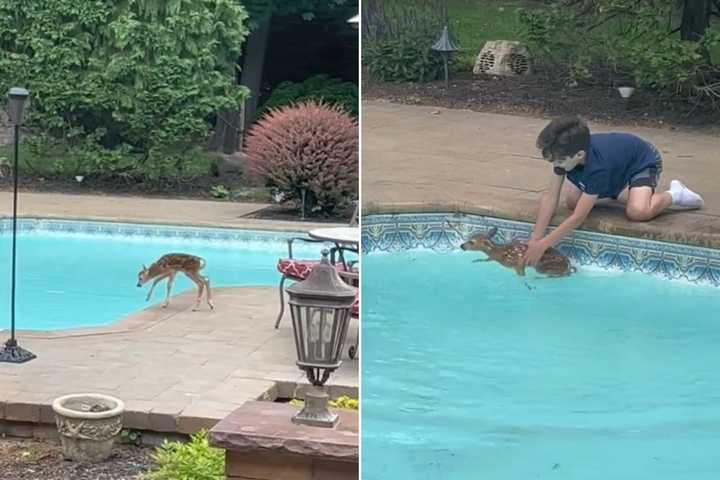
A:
x: 643, y: 205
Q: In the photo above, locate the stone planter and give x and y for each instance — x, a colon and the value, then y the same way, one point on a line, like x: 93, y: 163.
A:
x: 88, y: 424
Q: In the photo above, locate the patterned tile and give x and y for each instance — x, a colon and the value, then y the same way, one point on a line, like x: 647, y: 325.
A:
x: 35, y: 226
x: 443, y: 232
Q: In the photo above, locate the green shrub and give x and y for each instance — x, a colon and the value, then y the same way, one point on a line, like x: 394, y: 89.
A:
x: 220, y: 191
x: 309, y: 147
x: 623, y: 40
x: 116, y: 81
x: 397, y: 37
x: 319, y: 88
x: 195, y: 460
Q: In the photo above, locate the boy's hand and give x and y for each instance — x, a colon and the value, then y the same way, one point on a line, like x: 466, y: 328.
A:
x: 534, y: 252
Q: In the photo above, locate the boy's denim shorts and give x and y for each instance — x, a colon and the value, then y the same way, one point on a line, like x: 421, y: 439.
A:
x: 650, y: 177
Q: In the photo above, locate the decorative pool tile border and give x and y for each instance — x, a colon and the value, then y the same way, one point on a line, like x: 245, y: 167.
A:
x: 131, y: 230
x: 444, y: 232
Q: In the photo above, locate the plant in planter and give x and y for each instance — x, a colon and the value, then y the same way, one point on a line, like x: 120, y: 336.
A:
x: 88, y: 424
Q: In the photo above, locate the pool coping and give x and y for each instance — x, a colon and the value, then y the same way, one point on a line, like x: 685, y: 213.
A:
x: 280, y: 226
x: 604, y: 222
x: 26, y: 413
x: 444, y: 231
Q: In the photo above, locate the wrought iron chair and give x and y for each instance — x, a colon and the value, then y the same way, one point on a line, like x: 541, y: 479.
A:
x: 353, y: 278
x: 298, y: 270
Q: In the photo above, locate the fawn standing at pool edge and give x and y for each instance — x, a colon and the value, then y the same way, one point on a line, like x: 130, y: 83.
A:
x: 619, y: 166
x: 168, y: 266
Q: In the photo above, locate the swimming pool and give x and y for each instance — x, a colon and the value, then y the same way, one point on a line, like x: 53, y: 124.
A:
x: 84, y: 274
x: 471, y: 372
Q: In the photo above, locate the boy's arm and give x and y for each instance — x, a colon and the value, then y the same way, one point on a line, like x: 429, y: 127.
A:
x: 548, y: 204
x: 582, y: 209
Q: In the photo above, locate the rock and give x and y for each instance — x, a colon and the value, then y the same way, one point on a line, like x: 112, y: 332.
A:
x: 232, y: 163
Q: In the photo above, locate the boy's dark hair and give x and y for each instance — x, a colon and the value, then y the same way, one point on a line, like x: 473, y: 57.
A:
x: 564, y: 137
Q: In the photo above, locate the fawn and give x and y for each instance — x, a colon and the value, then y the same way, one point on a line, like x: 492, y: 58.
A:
x: 168, y: 266
x: 553, y: 263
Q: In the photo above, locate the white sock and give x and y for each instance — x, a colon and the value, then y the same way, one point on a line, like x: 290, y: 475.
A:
x: 682, y: 196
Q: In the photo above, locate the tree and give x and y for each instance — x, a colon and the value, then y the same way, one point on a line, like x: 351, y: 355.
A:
x: 262, y: 12
x: 695, y: 19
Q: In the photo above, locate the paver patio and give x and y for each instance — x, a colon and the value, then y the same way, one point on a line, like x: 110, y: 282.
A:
x: 433, y: 159
x: 177, y: 370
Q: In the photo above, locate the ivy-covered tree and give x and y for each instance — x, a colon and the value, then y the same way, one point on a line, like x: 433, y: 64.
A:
x: 145, y: 75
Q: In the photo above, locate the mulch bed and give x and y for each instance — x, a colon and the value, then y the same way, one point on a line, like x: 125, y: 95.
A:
x: 29, y: 459
x: 545, y: 95
x: 197, y: 189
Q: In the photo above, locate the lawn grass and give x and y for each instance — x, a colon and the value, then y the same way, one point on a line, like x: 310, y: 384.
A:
x: 474, y: 22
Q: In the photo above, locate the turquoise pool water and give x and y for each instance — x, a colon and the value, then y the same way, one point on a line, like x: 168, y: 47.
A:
x: 69, y: 280
x: 470, y: 372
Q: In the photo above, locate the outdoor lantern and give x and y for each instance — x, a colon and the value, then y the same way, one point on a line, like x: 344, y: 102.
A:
x: 320, y: 308
x: 16, y: 104
x: 11, y: 352
x: 445, y: 47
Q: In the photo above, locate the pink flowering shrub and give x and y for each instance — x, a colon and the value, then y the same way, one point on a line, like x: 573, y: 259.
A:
x: 309, y: 146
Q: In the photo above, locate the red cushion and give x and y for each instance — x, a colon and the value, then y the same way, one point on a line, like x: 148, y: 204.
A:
x: 296, y: 269
x: 299, y: 269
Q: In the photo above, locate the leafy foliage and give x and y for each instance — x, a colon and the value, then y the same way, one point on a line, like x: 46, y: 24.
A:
x: 345, y: 402
x: 219, y: 191
x: 397, y: 37
x: 195, y: 460
x: 341, y: 402
x: 320, y: 88
x: 309, y: 147
x: 128, y: 86
x: 636, y: 41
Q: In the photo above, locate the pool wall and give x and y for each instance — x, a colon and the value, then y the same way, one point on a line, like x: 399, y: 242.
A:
x: 446, y: 231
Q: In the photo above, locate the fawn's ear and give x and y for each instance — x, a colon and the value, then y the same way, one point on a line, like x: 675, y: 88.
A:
x: 144, y: 267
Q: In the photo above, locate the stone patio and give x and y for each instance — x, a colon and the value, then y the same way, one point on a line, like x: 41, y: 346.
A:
x: 433, y: 159
x: 177, y: 370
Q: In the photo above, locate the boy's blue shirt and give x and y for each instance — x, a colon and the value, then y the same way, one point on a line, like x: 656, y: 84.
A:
x: 612, y: 160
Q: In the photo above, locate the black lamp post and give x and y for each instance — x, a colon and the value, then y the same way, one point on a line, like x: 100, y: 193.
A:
x: 445, y: 47
x: 320, y: 308
x: 11, y: 352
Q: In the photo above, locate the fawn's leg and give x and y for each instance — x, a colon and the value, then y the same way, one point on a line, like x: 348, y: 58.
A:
x: 169, y: 287
x: 161, y: 277
x: 201, y: 285
x: 208, y: 294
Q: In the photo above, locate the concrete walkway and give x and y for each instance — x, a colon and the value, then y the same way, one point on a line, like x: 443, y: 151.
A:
x: 433, y: 159
x: 175, y: 369
x: 145, y: 210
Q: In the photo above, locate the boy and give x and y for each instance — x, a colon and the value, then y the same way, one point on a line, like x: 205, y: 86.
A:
x: 620, y: 166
